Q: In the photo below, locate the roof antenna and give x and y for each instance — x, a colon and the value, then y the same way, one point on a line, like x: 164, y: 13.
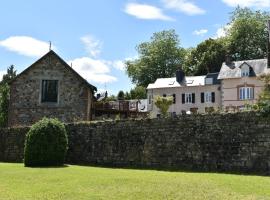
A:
x: 50, y: 45
x: 71, y: 64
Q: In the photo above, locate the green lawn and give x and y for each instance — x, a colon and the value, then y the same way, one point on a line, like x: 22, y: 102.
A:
x: 76, y: 182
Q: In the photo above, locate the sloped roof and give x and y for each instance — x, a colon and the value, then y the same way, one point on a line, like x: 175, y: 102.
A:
x: 233, y: 70
x: 51, y: 52
x: 171, y: 82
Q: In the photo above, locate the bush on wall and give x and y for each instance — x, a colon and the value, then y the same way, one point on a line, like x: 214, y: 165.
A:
x: 46, y: 144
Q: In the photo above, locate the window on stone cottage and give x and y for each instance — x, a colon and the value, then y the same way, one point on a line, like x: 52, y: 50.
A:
x: 49, y: 91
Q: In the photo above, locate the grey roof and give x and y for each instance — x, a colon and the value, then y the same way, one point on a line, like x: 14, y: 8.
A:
x: 233, y: 70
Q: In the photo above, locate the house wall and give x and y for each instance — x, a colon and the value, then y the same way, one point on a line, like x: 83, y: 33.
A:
x: 229, y: 88
x: 74, y: 98
x: 178, y: 91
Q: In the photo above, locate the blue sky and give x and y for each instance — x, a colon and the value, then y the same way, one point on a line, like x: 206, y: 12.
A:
x: 98, y: 36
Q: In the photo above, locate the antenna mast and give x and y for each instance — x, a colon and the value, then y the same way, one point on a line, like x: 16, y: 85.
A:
x: 50, y: 45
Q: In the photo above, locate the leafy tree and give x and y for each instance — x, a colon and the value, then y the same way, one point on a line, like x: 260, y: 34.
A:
x: 9, y: 76
x: 158, y: 58
x: 127, y: 96
x: 138, y: 92
x: 248, y: 35
x: 264, y: 97
x: 4, y: 95
x: 121, y: 95
x: 207, y: 57
x: 163, y: 104
x: 4, y: 102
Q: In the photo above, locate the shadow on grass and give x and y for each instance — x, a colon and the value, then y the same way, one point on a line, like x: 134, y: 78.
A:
x: 179, y: 169
x: 49, y: 167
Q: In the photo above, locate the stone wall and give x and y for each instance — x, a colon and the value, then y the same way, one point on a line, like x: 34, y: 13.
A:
x: 231, y: 142
x: 74, y: 95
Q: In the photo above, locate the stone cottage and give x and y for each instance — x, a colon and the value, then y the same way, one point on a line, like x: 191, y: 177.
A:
x: 51, y: 88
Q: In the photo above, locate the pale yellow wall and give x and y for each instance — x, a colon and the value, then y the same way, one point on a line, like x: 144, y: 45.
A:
x: 230, y: 93
x: 178, y: 106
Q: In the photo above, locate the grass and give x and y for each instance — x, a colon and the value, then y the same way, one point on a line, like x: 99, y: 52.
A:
x: 77, y: 182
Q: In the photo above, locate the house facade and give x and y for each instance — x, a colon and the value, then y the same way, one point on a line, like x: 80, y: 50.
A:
x: 236, y: 85
x: 240, y: 84
x: 197, y: 94
x: 49, y: 88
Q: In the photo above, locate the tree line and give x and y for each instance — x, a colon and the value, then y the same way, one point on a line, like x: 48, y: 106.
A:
x: 246, y: 37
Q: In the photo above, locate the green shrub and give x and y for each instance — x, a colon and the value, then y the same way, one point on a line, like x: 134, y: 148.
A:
x: 46, y: 144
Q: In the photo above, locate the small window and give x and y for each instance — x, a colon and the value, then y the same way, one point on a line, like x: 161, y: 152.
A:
x: 49, y: 92
x: 246, y: 93
x: 245, y: 71
x: 208, y: 97
x: 188, y: 97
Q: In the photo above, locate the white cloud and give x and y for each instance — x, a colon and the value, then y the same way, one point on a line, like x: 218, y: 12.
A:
x: 92, y: 45
x: 118, y: 64
x: 184, y: 6
x: 222, y: 31
x: 26, y: 46
x: 93, y: 70
x: 200, y: 32
x: 248, y: 3
x: 144, y: 11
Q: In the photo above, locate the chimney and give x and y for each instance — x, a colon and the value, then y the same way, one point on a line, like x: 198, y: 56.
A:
x: 268, y: 44
x: 180, y: 76
x: 228, y: 60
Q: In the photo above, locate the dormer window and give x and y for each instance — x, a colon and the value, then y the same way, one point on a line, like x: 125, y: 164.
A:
x: 245, y: 71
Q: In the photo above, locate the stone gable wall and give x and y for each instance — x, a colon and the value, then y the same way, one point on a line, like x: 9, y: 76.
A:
x: 230, y: 142
x: 25, y: 99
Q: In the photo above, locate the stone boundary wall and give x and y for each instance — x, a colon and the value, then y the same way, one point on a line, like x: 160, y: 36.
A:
x: 219, y: 142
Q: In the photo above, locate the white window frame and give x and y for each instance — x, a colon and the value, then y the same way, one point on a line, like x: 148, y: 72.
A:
x: 208, y: 97
x: 246, y: 93
x: 188, y: 98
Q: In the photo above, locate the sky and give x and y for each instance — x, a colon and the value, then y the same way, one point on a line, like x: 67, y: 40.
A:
x: 98, y: 36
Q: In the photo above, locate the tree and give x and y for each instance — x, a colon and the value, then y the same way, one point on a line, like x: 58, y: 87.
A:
x: 4, y: 95
x: 248, y: 35
x: 158, y: 58
x: 138, y: 92
x: 207, y: 57
x: 163, y: 104
x: 264, y: 97
x: 121, y: 95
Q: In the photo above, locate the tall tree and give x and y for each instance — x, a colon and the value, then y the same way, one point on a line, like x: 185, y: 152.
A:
x: 121, y: 95
x: 4, y: 95
x: 158, y: 58
x: 248, y: 34
x: 139, y: 92
x: 207, y: 57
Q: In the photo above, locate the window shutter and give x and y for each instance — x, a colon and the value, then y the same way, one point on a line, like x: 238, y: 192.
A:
x: 202, y: 97
x: 183, y: 98
x: 213, y: 97
x: 174, y: 98
x: 252, y: 93
x: 193, y: 97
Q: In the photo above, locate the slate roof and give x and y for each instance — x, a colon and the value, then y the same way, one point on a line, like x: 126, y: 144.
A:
x: 171, y: 82
x: 233, y: 70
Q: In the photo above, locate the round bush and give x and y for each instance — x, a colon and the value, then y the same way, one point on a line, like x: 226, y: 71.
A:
x: 46, y: 144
